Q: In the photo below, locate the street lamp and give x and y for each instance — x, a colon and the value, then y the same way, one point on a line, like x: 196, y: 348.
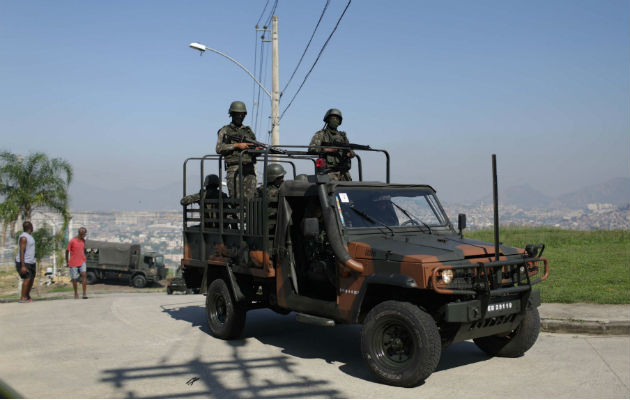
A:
x: 275, y: 84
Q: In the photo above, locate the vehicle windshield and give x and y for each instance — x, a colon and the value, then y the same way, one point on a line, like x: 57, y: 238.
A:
x: 159, y: 261
x: 391, y: 207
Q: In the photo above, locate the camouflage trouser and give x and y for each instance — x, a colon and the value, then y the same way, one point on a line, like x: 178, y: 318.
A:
x: 340, y: 176
x: 232, y: 178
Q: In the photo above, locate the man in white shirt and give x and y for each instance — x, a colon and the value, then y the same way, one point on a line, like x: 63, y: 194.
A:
x: 25, y: 261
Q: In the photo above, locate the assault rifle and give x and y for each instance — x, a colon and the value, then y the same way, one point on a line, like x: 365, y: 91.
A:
x: 245, y: 139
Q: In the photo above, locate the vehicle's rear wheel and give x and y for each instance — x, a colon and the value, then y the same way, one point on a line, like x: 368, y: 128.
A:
x: 90, y: 278
x: 169, y: 290
x: 400, y: 343
x: 515, y: 343
x: 139, y: 281
x: 226, y: 318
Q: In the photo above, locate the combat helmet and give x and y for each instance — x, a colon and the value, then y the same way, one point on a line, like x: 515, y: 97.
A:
x: 273, y: 172
x: 211, y: 180
x: 333, y: 111
x: 237, y: 106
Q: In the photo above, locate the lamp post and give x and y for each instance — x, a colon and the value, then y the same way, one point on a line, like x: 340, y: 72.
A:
x: 275, y: 84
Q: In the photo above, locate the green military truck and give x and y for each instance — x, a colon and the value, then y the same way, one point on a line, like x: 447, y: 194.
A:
x: 379, y: 254
x: 107, y: 260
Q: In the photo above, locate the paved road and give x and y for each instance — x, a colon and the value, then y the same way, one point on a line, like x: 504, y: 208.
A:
x: 154, y: 345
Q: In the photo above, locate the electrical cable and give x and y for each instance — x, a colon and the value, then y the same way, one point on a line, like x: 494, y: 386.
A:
x: 317, y: 59
x: 273, y: 11
x: 306, y: 48
x: 255, y: 61
x: 262, y: 56
x: 262, y: 13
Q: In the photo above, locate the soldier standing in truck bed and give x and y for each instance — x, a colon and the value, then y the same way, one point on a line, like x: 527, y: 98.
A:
x: 337, y: 160
x: 231, y: 148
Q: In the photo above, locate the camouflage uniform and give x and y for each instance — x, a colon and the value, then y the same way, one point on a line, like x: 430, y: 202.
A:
x: 272, y: 204
x: 230, y: 155
x: 337, y: 164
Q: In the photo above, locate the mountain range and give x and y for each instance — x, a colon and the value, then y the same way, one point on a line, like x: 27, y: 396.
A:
x: 86, y: 197
x: 615, y: 191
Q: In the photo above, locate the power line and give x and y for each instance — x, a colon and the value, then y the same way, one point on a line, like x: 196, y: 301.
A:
x: 317, y: 59
x: 262, y: 56
x: 262, y: 13
x: 255, y: 61
x: 273, y: 11
x: 306, y: 48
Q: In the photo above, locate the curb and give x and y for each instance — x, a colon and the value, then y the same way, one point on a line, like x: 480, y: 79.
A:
x: 585, y: 327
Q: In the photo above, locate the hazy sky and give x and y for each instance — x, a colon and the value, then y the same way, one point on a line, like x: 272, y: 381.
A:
x: 113, y: 87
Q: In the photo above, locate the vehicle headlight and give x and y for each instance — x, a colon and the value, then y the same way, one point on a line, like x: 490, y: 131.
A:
x: 447, y: 276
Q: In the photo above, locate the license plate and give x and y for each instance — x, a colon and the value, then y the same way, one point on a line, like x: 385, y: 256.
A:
x: 506, y: 307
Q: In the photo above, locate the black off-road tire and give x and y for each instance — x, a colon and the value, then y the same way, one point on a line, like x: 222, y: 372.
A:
x: 515, y: 343
x: 400, y: 343
x: 226, y: 318
x: 90, y: 278
x: 139, y: 281
x: 169, y: 290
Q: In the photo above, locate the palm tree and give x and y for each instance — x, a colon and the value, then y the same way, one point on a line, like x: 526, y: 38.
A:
x: 30, y: 183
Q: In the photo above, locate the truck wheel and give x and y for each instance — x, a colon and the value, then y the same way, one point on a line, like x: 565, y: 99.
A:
x: 515, y: 343
x: 90, y: 278
x: 169, y: 290
x: 400, y: 343
x: 226, y: 319
x: 139, y: 281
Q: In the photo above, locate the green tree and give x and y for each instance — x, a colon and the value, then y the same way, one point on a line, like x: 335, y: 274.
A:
x: 30, y: 183
x: 45, y: 242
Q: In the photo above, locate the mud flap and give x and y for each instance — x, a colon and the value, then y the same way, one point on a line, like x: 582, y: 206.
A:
x: 236, y: 289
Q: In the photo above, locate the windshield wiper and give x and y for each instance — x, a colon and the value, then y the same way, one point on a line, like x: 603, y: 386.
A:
x: 370, y: 219
x: 412, y: 219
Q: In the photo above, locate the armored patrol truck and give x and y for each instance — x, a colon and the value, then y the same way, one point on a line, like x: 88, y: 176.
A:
x: 381, y: 254
x: 107, y: 260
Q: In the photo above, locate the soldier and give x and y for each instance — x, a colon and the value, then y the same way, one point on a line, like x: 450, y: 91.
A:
x: 211, y: 185
x: 211, y: 188
x: 231, y: 147
x: 274, y: 177
x: 337, y: 160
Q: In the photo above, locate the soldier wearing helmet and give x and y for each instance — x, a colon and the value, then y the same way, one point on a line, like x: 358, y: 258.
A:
x: 337, y: 160
x: 231, y: 148
x: 274, y: 176
x: 211, y: 188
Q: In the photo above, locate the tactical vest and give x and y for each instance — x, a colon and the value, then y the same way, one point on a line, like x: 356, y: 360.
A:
x: 336, y: 161
x: 231, y: 158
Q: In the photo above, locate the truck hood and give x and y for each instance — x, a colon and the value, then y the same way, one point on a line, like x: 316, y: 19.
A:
x: 424, y: 248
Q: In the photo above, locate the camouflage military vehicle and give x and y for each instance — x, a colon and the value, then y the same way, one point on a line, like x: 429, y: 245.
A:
x: 107, y: 260
x: 379, y: 254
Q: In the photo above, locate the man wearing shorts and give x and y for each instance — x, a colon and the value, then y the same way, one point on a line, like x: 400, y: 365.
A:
x: 76, y: 262
x: 25, y: 261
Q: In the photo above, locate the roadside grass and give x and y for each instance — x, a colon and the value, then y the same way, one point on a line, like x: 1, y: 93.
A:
x: 584, y: 266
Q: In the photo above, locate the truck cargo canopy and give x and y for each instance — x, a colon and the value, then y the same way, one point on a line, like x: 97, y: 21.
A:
x: 114, y: 253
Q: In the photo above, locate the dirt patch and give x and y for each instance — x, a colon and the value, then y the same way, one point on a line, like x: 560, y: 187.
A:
x: 61, y: 287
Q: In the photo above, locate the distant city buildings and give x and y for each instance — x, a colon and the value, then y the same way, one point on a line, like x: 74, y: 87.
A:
x: 161, y: 231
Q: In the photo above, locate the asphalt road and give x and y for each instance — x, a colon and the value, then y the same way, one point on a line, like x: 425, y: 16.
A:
x: 158, y: 346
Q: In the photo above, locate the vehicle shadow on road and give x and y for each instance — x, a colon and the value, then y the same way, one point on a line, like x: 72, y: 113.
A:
x: 235, y: 378
x: 194, y: 314
x: 339, y: 344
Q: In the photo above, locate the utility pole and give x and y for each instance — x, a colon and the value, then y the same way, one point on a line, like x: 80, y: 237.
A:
x: 275, y: 85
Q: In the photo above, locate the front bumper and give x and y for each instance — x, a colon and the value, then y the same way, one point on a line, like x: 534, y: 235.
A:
x: 480, y: 309
x: 495, y: 278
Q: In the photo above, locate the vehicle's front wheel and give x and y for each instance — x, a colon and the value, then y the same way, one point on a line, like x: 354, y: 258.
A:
x: 515, y: 343
x: 400, y: 343
x: 139, y: 281
x: 226, y: 318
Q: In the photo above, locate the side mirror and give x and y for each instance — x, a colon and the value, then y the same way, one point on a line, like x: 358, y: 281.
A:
x: 461, y: 223
x: 310, y: 227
